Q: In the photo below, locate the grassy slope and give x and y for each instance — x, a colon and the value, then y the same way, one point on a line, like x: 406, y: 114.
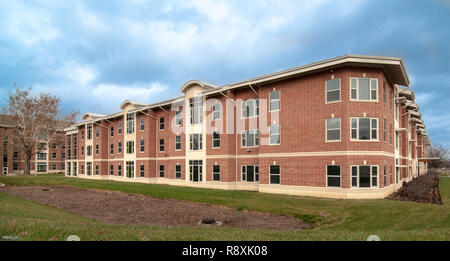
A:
x: 335, y: 219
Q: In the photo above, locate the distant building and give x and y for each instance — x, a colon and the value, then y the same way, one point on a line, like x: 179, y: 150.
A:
x: 48, y: 159
x: 340, y: 128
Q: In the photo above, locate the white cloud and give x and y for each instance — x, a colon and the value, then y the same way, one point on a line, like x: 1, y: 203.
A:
x: 78, y: 74
x: 115, y: 94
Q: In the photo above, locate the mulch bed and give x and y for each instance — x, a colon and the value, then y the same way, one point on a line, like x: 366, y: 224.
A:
x: 115, y: 207
x: 423, y: 189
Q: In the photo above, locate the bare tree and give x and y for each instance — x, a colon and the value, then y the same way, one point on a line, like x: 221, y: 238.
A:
x: 36, y: 119
x: 439, y: 154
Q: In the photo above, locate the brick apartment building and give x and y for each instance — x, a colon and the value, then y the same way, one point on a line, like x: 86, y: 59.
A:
x: 341, y: 128
x: 49, y: 157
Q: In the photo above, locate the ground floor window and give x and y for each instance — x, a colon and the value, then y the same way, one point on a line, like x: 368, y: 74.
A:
x: 364, y: 176
x: 68, y: 168
x: 196, y: 170
x: 334, y: 176
x: 141, y: 170
x: 119, y: 170
x: 89, y: 168
x: 96, y: 169
x: 74, y: 168
x: 250, y: 173
x: 216, y: 173
x: 384, y: 176
x: 178, y: 171
x: 111, y: 169
x: 275, y: 174
x: 161, y: 171
x: 15, y: 166
x: 130, y: 169
x: 54, y: 166
x: 82, y: 169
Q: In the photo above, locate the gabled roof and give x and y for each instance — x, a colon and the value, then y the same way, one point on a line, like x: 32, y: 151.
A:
x: 133, y: 103
x: 92, y: 115
x: 206, y: 86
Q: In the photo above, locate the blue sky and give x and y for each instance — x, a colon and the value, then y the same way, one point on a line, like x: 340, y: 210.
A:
x: 95, y: 54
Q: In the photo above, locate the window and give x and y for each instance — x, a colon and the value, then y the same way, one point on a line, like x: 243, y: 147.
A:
x: 142, y: 147
x: 333, y: 129
x: 82, y: 134
x: 364, y: 176
x: 216, y: 139
x: 275, y: 174
x: 96, y: 149
x: 119, y: 147
x: 119, y: 170
x: 111, y: 169
x: 216, y: 111
x: 178, y: 142
x: 130, y: 147
x: 63, y: 155
x: 63, y: 146
x: 250, y: 108
x: 161, y: 171
x: 82, y: 151
x: 130, y: 169
x: 119, y: 128
x: 41, y: 156
x: 216, y: 173
x: 250, y: 173
x: 16, y: 167
x: 53, y: 145
x: 333, y: 90
x: 390, y: 133
x: 97, y: 132
x: 111, y: 149
x: 178, y: 118
x: 130, y: 122
x: 89, y: 131
x: 384, y: 176
x: 275, y: 136
x: 141, y: 171
x: 364, y: 128
x: 142, y: 124
x: 250, y: 138
x: 111, y: 131
x: 96, y: 169
x: 54, y: 155
x: 363, y: 89
x: 161, y: 123
x: 161, y: 145
x: 178, y: 171
x: 82, y: 168
x: 195, y: 141
x: 16, y: 154
x: 384, y: 130
x: 274, y: 101
x: 384, y: 92
x: 334, y: 176
x: 41, y: 167
x: 89, y: 168
x: 196, y: 109
x: 196, y: 170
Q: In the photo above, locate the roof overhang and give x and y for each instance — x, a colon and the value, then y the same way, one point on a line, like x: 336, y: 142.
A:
x: 407, y: 93
x: 91, y: 116
x: 204, y: 85
x: 392, y: 66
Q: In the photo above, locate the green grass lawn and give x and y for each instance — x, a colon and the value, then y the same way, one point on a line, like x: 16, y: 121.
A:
x: 334, y: 219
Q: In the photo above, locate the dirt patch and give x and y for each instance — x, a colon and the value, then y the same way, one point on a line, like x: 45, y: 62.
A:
x: 423, y: 189
x: 115, y: 207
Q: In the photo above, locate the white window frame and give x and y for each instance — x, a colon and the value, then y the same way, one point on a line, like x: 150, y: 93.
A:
x: 163, y: 145
x: 218, y: 111
x: 255, y: 173
x: 370, y: 89
x: 326, y: 130
x: 162, y: 123
x: 132, y: 147
x: 216, y: 173
x: 244, y: 110
x: 178, y: 117
x: 273, y: 134
x: 111, y: 149
x: 244, y: 138
x: 275, y: 100
x: 340, y: 176
x: 270, y: 175
x: 371, y: 177
x: 176, y: 172
x: 178, y: 142
x: 141, y: 145
x: 142, y: 124
x: 131, y: 118
x: 327, y: 91
x: 199, y: 139
x: 214, y: 139
x: 370, y: 129
x: 119, y: 148
x: 141, y: 170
